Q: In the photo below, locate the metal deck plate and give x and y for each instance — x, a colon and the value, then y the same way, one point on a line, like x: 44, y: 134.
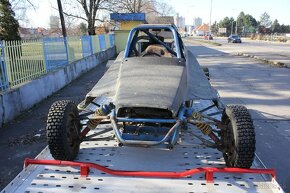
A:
x: 189, y: 153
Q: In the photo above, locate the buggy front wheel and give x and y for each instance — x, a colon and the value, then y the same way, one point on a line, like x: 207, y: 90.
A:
x: 63, y: 130
x: 239, y: 137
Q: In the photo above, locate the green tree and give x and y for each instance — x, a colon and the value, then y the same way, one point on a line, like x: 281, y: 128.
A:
x: 276, y: 28
x: 285, y: 28
x: 246, y: 23
x: 229, y: 24
x: 8, y: 24
x: 214, y: 28
x: 240, y: 22
x: 250, y: 24
x: 83, y: 28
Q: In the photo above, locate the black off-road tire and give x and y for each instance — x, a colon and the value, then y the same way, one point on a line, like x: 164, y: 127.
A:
x: 63, y: 130
x: 206, y: 72
x: 238, y: 137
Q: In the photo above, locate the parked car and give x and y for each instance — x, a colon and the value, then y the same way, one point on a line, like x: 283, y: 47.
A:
x: 208, y: 37
x: 234, y: 39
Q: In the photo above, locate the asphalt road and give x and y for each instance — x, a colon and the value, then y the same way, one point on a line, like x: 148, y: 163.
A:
x: 263, y: 89
x: 256, y: 46
x: 268, y: 50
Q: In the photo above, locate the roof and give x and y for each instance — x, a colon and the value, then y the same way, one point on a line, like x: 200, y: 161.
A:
x: 203, y: 27
x: 155, y: 26
x: 127, y: 16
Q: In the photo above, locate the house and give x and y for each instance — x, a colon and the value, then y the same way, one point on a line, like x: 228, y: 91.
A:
x: 202, y: 30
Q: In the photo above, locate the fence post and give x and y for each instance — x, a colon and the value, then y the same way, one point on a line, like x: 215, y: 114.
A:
x: 102, y: 42
x: 87, y: 45
x: 107, y: 40
x: 66, y: 49
x: 8, y: 54
x: 4, y: 84
x: 91, y: 45
x: 45, y: 55
x: 112, y: 40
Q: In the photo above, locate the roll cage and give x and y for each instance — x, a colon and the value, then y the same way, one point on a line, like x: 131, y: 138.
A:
x: 145, y: 29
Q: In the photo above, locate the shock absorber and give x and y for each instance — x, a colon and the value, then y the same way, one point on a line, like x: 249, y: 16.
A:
x: 204, y: 127
x: 196, y: 116
x: 207, y: 130
x: 98, y: 116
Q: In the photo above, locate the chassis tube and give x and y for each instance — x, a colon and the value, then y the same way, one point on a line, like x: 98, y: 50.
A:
x: 141, y: 120
x: 137, y: 142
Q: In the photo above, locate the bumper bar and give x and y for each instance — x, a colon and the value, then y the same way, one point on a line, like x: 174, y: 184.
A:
x: 209, y: 171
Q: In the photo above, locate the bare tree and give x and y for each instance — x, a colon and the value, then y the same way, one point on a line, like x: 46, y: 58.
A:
x: 134, y: 6
x: 89, y: 11
x: 164, y: 9
x: 92, y: 11
x: 20, y: 7
x: 158, y: 7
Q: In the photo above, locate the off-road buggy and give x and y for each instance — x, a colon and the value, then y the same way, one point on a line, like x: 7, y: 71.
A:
x: 147, y: 95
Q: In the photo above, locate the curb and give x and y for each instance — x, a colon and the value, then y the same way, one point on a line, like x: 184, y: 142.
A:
x: 265, y: 60
x: 204, y: 42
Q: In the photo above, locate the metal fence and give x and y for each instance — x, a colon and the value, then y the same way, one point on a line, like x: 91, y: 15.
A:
x: 3, y: 74
x: 26, y: 60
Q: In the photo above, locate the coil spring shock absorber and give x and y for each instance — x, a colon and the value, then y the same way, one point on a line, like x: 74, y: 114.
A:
x: 96, y: 118
x: 196, y: 116
x: 204, y: 127
x: 207, y: 130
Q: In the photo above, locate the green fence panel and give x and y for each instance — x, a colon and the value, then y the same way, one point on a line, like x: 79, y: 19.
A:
x: 24, y: 60
x: 96, y: 44
x: 75, y: 51
x: 107, y: 38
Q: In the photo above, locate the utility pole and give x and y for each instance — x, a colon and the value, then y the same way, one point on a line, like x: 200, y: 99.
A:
x: 232, y: 27
x: 237, y: 26
x: 61, y: 18
x: 63, y: 29
x: 210, y: 17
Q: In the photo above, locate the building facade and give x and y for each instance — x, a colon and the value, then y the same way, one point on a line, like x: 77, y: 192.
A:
x: 197, y: 21
x: 179, y: 21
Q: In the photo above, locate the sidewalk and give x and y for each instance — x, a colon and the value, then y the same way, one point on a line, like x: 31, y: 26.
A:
x: 26, y: 136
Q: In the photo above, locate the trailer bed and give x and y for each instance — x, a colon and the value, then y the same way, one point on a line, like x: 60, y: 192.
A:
x: 189, y: 153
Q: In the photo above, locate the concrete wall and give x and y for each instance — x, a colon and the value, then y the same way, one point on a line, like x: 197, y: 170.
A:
x: 17, y: 100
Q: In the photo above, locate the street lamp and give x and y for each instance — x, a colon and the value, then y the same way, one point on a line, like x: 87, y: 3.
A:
x: 232, y: 27
x: 237, y: 25
x: 210, y: 17
x: 235, y: 10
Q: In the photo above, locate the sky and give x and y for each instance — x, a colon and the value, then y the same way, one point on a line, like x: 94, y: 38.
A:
x: 277, y: 9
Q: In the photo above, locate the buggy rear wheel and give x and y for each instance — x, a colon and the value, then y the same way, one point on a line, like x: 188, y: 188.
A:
x: 206, y: 71
x: 238, y: 137
x: 63, y: 130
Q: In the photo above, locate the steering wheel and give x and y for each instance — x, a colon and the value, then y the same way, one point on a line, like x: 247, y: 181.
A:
x: 134, y: 48
x: 150, y: 54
